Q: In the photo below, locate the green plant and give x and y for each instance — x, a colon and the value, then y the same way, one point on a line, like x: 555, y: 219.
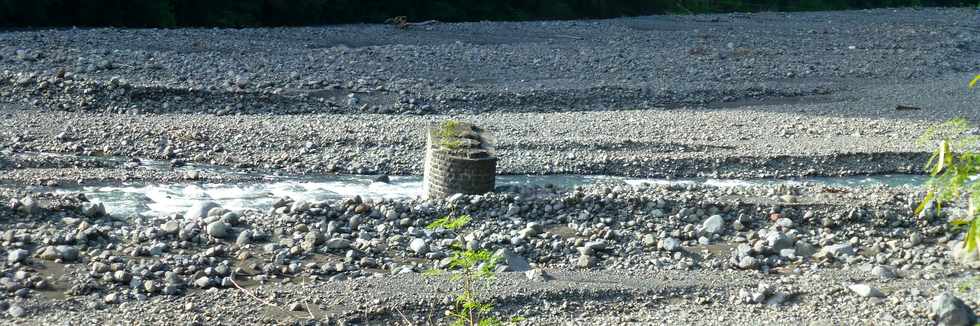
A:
x: 450, y: 144
x: 448, y: 132
x: 448, y: 129
x: 953, y: 168
x: 469, y: 267
x: 969, y: 285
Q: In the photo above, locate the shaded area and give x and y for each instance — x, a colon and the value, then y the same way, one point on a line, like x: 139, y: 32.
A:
x: 170, y: 13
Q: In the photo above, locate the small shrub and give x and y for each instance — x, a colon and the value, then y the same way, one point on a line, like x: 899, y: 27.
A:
x: 469, y: 267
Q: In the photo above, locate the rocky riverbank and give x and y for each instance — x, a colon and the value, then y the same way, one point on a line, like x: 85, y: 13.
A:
x: 790, y: 252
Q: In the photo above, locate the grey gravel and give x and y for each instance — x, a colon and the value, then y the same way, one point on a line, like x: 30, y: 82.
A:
x: 778, y: 104
x: 705, y: 96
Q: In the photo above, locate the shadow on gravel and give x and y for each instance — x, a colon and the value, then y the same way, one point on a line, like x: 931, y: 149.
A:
x: 648, y: 147
x: 540, y: 302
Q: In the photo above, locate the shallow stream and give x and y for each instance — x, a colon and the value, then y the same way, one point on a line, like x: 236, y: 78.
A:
x: 161, y: 199
x: 154, y: 199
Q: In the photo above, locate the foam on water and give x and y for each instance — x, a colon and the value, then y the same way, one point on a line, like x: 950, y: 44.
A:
x: 165, y: 199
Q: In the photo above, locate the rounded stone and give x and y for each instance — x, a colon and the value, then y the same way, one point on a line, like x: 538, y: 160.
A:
x: 218, y: 229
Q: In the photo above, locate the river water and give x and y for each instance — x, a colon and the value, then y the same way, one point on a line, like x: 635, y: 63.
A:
x: 155, y: 199
x: 162, y: 199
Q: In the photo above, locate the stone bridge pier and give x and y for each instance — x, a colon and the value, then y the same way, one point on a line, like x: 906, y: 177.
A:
x: 459, y: 158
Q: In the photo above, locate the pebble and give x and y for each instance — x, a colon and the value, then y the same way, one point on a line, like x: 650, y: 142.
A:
x: 836, y: 251
x: 49, y: 253
x: 649, y: 240
x: 244, y: 238
x: 202, y: 282
x: 747, y: 262
x: 111, y: 298
x: 777, y: 240
x: 67, y: 253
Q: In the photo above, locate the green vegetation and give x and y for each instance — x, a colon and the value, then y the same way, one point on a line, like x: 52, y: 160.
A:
x: 241, y: 13
x: 448, y: 132
x: 469, y: 267
x: 952, y: 169
x: 969, y: 285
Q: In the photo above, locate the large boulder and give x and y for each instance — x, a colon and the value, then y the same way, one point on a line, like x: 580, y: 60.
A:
x: 948, y: 310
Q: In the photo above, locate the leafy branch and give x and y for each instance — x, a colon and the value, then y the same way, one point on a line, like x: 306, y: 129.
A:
x: 953, y: 168
x: 470, y: 267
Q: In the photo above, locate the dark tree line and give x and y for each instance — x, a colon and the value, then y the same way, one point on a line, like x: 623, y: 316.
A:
x: 240, y: 13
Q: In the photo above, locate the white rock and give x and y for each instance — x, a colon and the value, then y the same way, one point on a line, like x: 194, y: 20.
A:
x: 200, y: 210
x: 669, y: 244
x: 418, y: 246
x: 17, y: 255
x: 713, y: 225
x: 866, y: 291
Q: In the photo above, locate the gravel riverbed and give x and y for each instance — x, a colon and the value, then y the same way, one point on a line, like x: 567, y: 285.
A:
x: 723, y: 96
